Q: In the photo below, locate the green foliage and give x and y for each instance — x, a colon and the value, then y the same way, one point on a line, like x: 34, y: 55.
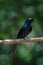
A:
x: 4, y: 60
x: 13, y: 14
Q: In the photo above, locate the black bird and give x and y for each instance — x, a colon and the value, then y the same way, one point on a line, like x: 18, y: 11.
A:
x: 24, y: 31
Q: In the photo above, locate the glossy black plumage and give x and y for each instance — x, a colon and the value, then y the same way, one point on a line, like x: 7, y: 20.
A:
x: 24, y: 31
x: 26, y: 28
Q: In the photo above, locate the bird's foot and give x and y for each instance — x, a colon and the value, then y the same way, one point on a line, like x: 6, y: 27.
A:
x: 26, y: 38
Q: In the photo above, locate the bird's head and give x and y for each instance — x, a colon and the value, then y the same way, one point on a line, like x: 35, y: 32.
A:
x: 30, y: 20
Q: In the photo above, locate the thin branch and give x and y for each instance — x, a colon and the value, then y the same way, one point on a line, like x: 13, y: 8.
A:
x: 19, y: 41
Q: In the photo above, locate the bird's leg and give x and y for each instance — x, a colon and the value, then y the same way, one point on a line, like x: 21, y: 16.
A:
x: 26, y: 38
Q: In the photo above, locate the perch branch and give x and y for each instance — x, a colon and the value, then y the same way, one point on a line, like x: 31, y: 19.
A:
x: 19, y: 41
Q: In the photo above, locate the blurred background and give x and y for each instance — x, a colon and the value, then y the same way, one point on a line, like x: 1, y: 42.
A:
x: 13, y: 14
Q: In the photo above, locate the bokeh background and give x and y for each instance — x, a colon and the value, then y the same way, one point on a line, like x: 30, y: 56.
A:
x: 13, y: 14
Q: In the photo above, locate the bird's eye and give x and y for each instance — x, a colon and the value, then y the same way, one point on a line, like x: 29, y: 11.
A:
x: 30, y: 20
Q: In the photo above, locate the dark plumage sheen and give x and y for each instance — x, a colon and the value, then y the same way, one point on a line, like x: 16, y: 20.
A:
x: 24, y: 31
x: 26, y: 28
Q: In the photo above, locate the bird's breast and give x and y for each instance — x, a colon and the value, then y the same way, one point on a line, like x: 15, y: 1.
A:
x: 24, y: 31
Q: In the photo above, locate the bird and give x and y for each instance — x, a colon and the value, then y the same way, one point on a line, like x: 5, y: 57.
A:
x: 23, y: 32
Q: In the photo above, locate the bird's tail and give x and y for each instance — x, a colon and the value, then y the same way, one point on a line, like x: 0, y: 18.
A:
x: 12, y: 50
